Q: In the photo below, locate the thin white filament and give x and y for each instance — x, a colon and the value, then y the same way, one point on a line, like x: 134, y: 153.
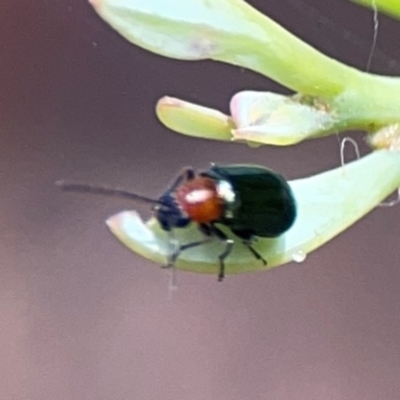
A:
x: 375, y: 36
x: 343, y: 148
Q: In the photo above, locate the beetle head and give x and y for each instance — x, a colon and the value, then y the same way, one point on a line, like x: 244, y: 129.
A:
x: 169, y: 214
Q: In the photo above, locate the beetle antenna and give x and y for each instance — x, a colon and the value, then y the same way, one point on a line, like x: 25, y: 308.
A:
x: 104, y: 190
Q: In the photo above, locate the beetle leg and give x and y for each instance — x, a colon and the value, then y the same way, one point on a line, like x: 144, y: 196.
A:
x: 178, y: 250
x: 213, y: 230
x: 228, y: 249
x: 257, y: 255
x: 187, y: 174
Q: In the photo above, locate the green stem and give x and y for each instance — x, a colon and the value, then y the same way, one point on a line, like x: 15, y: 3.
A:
x: 232, y: 31
x: 390, y: 7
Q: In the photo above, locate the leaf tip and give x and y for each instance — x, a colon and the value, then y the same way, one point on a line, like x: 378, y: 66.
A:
x: 95, y: 3
x: 168, y: 101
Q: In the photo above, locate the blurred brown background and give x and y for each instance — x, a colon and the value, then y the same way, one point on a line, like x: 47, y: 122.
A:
x: 83, y: 318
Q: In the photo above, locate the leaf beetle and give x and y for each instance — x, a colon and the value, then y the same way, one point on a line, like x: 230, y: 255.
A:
x: 251, y: 200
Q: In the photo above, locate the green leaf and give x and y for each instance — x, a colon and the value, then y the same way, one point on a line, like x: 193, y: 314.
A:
x: 328, y: 203
x: 231, y: 31
x: 225, y: 30
x: 270, y: 118
x: 194, y: 120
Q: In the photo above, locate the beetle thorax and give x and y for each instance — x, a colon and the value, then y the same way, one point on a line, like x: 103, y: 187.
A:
x: 200, y: 200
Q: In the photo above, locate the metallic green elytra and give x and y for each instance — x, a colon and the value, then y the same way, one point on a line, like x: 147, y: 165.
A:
x: 262, y: 205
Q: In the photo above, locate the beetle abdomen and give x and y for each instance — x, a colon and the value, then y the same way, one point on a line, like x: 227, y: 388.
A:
x: 263, y: 205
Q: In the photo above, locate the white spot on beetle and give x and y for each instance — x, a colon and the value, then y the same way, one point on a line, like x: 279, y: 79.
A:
x: 198, y: 196
x: 225, y: 191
